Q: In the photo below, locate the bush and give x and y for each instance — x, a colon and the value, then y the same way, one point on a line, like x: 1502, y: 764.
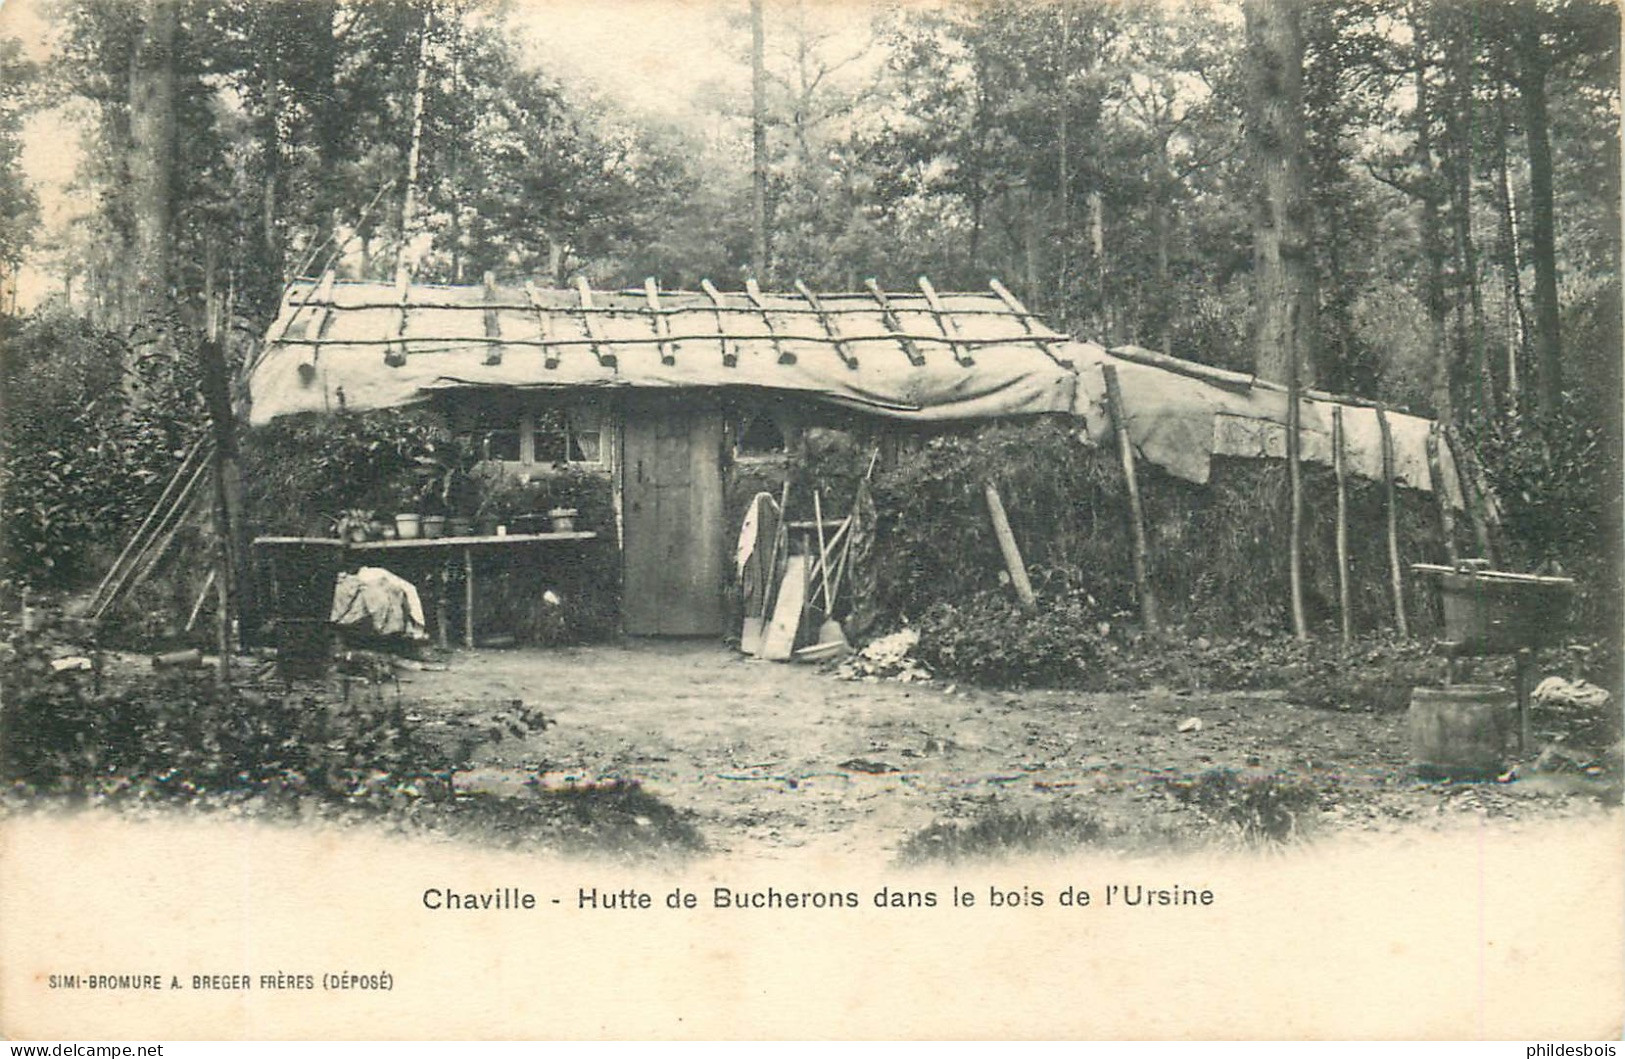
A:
x: 90, y: 434
x: 989, y: 640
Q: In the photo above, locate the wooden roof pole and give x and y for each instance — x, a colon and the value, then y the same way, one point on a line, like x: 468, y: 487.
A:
x: 753, y: 291
x: 550, y: 354
x: 894, y: 325
x: 949, y: 325
x: 662, y: 332
x: 1026, y: 319
x: 493, y: 323
x: 394, y: 356
x: 841, y: 348
x: 605, y: 358
x: 730, y: 349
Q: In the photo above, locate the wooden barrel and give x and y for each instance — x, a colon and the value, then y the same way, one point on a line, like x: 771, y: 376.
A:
x: 1460, y: 732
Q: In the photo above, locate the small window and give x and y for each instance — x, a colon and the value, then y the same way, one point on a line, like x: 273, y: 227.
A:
x: 760, y: 434
x: 573, y: 436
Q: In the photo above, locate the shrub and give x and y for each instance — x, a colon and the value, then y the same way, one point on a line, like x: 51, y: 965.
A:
x: 1259, y: 808
x: 91, y: 432
x: 989, y: 640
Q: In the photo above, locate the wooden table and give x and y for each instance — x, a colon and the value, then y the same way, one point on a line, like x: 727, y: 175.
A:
x: 466, y: 545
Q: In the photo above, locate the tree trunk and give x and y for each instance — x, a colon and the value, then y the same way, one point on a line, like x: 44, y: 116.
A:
x: 1283, y: 258
x: 328, y: 117
x: 1508, y: 376
x: 152, y: 153
x: 1532, y: 68
x: 1433, y: 251
x: 758, y: 141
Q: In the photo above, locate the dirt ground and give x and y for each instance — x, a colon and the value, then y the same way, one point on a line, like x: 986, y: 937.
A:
x: 771, y: 758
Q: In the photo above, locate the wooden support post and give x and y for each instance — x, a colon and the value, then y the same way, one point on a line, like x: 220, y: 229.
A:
x: 1447, y: 517
x: 1007, y: 545
x: 1142, y: 550
x: 1345, y: 605
x: 1396, y: 577
x: 1294, y: 479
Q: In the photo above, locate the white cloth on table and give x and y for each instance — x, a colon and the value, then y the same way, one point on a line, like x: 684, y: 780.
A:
x: 375, y: 598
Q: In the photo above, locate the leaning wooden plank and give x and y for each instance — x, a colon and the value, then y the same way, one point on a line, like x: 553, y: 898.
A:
x: 780, y: 639
x: 1007, y: 545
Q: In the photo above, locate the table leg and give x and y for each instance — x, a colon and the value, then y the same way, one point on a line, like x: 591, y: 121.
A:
x: 441, y: 611
x: 468, y: 597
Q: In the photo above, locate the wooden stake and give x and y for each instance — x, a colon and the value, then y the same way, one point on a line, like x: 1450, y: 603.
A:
x: 1396, y: 578
x: 1294, y: 480
x: 1007, y: 545
x: 1125, y: 451
x: 1340, y: 471
x: 1447, y: 517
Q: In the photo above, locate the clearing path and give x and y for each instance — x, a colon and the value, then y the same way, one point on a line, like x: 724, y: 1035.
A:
x: 771, y: 756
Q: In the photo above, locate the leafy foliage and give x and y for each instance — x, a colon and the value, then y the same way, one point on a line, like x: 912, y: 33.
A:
x: 1260, y: 808
x: 86, y: 443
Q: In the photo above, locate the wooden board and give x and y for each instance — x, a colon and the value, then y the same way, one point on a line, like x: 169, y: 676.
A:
x: 780, y: 638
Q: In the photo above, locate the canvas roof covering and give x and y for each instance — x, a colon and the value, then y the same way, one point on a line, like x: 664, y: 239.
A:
x: 916, y: 355
x: 913, y: 355
x: 1180, y: 415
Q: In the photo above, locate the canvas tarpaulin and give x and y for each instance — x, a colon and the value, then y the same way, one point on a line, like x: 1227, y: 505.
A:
x: 1180, y: 422
x: 369, y: 345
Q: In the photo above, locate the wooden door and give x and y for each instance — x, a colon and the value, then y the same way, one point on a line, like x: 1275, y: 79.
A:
x: 671, y: 493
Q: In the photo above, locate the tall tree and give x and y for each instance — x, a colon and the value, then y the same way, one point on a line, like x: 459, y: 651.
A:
x: 1283, y: 216
x: 152, y: 151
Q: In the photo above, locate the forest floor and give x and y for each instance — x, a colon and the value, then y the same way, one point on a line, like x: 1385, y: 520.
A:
x: 766, y: 759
